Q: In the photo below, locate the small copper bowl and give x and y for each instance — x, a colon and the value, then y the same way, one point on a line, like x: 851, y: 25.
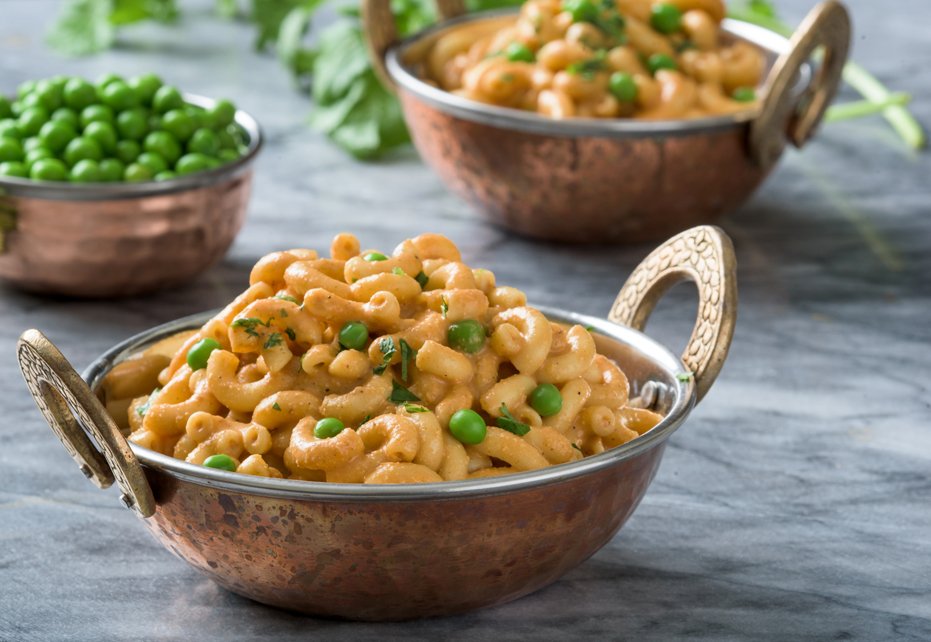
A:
x: 609, y: 180
x: 123, y: 239
x: 417, y: 550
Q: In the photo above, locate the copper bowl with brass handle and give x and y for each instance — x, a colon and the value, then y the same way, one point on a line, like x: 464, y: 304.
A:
x: 123, y: 239
x: 395, y: 552
x: 609, y: 180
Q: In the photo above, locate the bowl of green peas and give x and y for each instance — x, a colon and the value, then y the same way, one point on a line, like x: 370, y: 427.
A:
x: 120, y: 186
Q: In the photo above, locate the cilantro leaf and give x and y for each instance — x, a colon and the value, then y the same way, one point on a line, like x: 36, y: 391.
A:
x: 291, y: 334
x: 407, y: 355
x: 684, y: 376
x: 386, y: 346
x: 287, y: 297
x: 422, y: 279
x: 508, y: 422
x: 400, y: 394
x: 83, y: 27
x: 249, y: 324
x: 397, y: 270
x: 274, y: 339
x: 290, y: 45
x: 276, y: 406
x: 144, y: 408
x: 414, y: 409
x: 444, y: 306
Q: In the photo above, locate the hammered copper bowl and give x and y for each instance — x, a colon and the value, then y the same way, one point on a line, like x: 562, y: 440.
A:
x: 416, y: 550
x: 123, y: 239
x: 609, y: 180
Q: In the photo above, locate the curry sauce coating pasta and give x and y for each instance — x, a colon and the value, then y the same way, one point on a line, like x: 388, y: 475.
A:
x: 647, y: 59
x: 381, y: 369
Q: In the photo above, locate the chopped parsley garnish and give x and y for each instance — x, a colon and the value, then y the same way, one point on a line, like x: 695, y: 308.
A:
x: 508, y: 422
x: 287, y: 297
x: 400, y: 394
x: 588, y: 68
x: 576, y: 446
x: 407, y: 355
x: 414, y: 408
x: 684, y: 376
x: 144, y: 408
x: 444, y: 306
x: 250, y: 324
x: 398, y: 271
x: 275, y: 406
x: 590, y: 328
x: 422, y: 279
x: 274, y: 339
x: 366, y: 418
x: 283, y: 313
x: 386, y: 345
x: 291, y: 334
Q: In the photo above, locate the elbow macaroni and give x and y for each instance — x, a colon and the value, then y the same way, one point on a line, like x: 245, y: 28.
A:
x: 280, y: 368
x: 560, y: 64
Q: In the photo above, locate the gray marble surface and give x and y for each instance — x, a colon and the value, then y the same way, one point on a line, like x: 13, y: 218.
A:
x: 796, y: 503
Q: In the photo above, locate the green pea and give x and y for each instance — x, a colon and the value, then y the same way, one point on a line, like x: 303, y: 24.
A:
x: 55, y: 134
x: 14, y: 169
x: 546, y: 399
x: 66, y: 115
x: 581, y: 10
x: 48, y: 94
x: 191, y: 163
x: 518, y: 52
x: 136, y: 173
x: 163, y: 144
x: 221, y: 113
x: 31, y: 120
x: 118, y: 96
x: 25, y: 88
x: 78, y: 94
x: 111, y: 170
x: 6, y: 107
x: 375, y: 256
x: 128, y: 151
x: 132, y: 124
x: 661, y: 61
x: 31, y: 143
x: 85, y: 171
x: 145, y: 87
x: 37, y: 154
x: 30, y: 100
x: 221, y: 462
x: 106, y: 80
x: 104, y: 134
x: 48, y: 169
x: 10, y: 150
x: 199, y: 353
x: 97, y: 113
x: 167, y: 98
x: 666, y: 18
x: 167, y: 175
x: 204, y: 141
x: 81, y: 148
x: 468, y: 426
x: 466, y: 336
x: 744, y: 94
x: 153, y: 161
x: 178, y: 123
x: 353, y: 335
x: 198, y: 116
x: 228, y: 155
x: 623, y: 86
x: 9, y: 128
x: 328, y: 427
x: 227, y: 140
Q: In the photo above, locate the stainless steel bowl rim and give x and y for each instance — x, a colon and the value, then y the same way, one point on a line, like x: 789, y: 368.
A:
x: 516, y: 119
x: 53, y: 190
x: 681, y: 406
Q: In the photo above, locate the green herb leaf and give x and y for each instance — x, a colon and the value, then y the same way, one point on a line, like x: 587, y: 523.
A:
x: 507, y: 422
x: 386, y: 346
x: 287, y: 297
x: 291, y: 334
x: 249, y: 324
x: 400, y: 394
x: 365, y: 418
x: 444, y: 306
x: 590, y: 328
x: 398, y: 271
x: 414, y: 409
x: 227, y: 8
x: 422, y: 279
x: 144, y: 408
x: 407, y: 355
x: 268, y: 15
x: 274, y: 339
x: 684, y: 376
x: 275, y: 406
x: 83, y: 27
x: 576, y: 446
x: 290, y: 45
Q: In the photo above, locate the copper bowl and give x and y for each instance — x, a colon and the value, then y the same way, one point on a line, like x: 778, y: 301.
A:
x: 609, y: 180
x: 122, y: 239
x: 407, y: 551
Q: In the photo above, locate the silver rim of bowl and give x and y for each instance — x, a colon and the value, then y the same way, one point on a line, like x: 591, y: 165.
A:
x: 508, y: 118
x: 62, y: 191
x: 680, y: 408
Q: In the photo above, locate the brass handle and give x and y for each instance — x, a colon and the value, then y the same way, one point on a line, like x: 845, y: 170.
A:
x: 380, y: 30
x: 61, y: 393
x: 705, y: 256
x: 782, y: 115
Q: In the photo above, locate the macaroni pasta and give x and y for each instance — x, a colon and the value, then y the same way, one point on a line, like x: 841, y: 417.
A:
x: 369, y: 368
x: 648, y: 59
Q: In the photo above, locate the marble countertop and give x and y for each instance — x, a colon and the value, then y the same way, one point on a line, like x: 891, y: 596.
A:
x: 796, y: 502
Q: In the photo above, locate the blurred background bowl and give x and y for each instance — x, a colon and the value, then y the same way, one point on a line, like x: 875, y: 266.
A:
x: 124, y: 239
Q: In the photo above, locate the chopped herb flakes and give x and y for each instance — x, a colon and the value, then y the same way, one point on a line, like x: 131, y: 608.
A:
x: 407, y: 355
x: 291, y: 334
x: 275, y: 406
x: 400, y: 394
x: 422, y: 279
x: 444, y: 306
x: 386, y: 345
x: 287, y: 297
x: 398, y: 271
x: 274, y: 339
x: 508, y: 422
x: 144, y: 408
x: 250, y: 324
x: 414, y: 409
x: 684, y: 376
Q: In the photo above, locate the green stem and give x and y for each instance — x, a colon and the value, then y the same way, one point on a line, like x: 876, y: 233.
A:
x: 867, y: 85
x: 862, y: 108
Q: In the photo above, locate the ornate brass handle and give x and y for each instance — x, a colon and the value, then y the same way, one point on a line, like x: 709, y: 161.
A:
x: 380, y: 30
x: 783, y: 116
x: 61, y: 393
x: 705, y: 256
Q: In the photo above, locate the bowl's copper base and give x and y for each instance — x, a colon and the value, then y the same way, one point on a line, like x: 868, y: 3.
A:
x: 586, y: 189
x: 396, y: 560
